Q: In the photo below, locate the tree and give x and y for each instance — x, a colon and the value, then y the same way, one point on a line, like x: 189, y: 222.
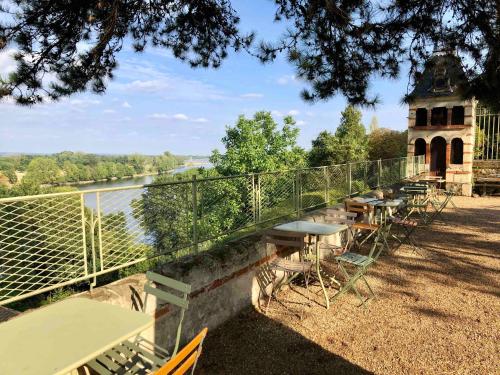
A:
x: 373, y: 124
x: 387, y: 144
x: 348, y: 144
x: 42, y: 170
x: 335, y: 47
x: 257, y: 145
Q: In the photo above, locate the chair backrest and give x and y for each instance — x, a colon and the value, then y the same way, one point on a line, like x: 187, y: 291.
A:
x: 340, y: 217
x: 285, y: 238
x: 186, y: 359
x: 358, y: 207
x: 163, y: 295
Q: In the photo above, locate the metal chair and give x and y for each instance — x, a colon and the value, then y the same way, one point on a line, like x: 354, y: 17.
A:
x: 360, y: 264
x: 186, y: 359
x: 361, y: 209
x: 268, y: 274
x: 141, y: 354
x: 407, y: 227
x: 336, y: 216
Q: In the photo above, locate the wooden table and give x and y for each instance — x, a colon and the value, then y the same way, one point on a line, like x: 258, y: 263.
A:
x: 65, y: 335
x: 317, y: 230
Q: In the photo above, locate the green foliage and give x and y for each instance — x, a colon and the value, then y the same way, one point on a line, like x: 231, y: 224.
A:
x: 42, y: 170
x: 387, y: 144
x: 74, y: 167
x: 257, y: 145
x: 335, y: 47
x: 348, y: 144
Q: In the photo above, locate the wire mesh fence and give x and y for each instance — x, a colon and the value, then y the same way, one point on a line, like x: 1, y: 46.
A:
x: 58, y: 239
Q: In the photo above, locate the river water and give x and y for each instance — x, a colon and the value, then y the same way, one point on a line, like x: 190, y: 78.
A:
x: 125, y: 197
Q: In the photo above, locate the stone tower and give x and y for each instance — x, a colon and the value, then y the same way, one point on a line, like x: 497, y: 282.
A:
x: 441, y: 124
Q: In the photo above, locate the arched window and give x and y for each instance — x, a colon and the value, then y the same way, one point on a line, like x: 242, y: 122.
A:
x: 457, y: 151
x: 439, y: 116
x: 419, y: 147
x: 457, y: 115
x: 421, y: 117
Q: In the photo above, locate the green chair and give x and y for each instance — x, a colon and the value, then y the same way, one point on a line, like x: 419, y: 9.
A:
x: 359, y: 264
x: 140, y: 354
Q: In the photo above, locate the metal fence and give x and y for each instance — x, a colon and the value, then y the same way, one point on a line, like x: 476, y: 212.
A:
x: 52, y: 240
x: 487, y: 144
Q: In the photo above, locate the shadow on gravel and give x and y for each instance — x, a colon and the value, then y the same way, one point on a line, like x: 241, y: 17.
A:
x: 252, y: 343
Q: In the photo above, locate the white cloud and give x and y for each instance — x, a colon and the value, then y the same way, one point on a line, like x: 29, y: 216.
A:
x: 126, y: 105
x: 252, y: 95
x: 293, y: 112
x: 277, y: 113
x: 159, y: 116
x: 149, y: 86
x: 164, y: 116
x: 109, y: 111
x: 286, y: 79
x: 300, y: 122
x: 145, y: 77
x: 180, y: 117
x: 84, y: 102
x: 200, y: 119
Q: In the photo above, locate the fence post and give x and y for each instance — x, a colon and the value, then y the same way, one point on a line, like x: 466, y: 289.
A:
x: 194, y: 197
x: 327, y: 185
x: 349, y: 179
x: 298, y: 191
x: 258, y: 199
x: 379, y: 172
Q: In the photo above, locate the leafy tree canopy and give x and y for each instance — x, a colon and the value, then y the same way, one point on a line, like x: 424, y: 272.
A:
x: 335, y: 46
x: 387, y: 144
x: 349, y: 143
x: 258, y: 145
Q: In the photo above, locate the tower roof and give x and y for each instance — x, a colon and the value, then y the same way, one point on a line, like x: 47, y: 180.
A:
x: 443, y: 76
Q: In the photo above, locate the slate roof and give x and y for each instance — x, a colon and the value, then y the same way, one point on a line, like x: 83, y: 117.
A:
x: 443, y: 76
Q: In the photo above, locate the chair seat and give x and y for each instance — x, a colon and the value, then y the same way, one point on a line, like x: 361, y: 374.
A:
x: 127, y: 357
x: 404, y: 222
x: 291, y: 265
x: 336, y: 249
x: 355, y: 259
x: 366, y: 226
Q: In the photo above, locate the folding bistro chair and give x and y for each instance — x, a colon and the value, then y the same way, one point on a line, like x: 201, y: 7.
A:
x: 268, y: 274
x: 141, y: 354
x: 407, y: 227
x: 335, y: 216
x: 362, y: 209
x: 359, y: 264
x: 186, y: 359
x: 441, y: 207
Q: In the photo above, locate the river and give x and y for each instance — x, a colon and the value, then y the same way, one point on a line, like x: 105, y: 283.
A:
x: 125, y: 198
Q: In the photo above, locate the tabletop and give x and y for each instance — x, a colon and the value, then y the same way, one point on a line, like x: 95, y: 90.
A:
x: 387, y: 203
x: 307, y: 227
x: 65, y: 335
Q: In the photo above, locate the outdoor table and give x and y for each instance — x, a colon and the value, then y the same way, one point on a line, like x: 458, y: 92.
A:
x: 317, y: 230
x: 65, y: 335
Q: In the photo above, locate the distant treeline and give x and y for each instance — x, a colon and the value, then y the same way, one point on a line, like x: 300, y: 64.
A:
x: 73, y: 167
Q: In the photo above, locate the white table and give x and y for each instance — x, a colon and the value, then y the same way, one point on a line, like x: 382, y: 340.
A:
x: 65, y: 335
x: 317, y: 230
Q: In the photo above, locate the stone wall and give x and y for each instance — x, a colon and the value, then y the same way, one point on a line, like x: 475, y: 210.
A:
x: 223, y: 283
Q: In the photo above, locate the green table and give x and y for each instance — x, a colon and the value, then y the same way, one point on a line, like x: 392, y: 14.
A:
x: 317, y: 230
x: 65, y: 335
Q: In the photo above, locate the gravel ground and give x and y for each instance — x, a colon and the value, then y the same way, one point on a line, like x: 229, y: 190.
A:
x: 435, y: 313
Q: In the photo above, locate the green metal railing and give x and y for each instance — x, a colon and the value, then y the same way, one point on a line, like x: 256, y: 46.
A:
x: 52, y: 240
x: 487, y: 140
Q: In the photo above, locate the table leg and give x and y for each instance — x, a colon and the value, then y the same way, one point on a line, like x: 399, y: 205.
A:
x: 318, y: 271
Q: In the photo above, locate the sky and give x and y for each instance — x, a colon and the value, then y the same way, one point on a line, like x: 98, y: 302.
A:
x: 156, y: 103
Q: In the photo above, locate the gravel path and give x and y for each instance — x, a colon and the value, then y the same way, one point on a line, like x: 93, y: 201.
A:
x: 435, y: 313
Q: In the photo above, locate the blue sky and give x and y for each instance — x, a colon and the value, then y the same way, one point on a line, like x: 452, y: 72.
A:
x: 156, y: 103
